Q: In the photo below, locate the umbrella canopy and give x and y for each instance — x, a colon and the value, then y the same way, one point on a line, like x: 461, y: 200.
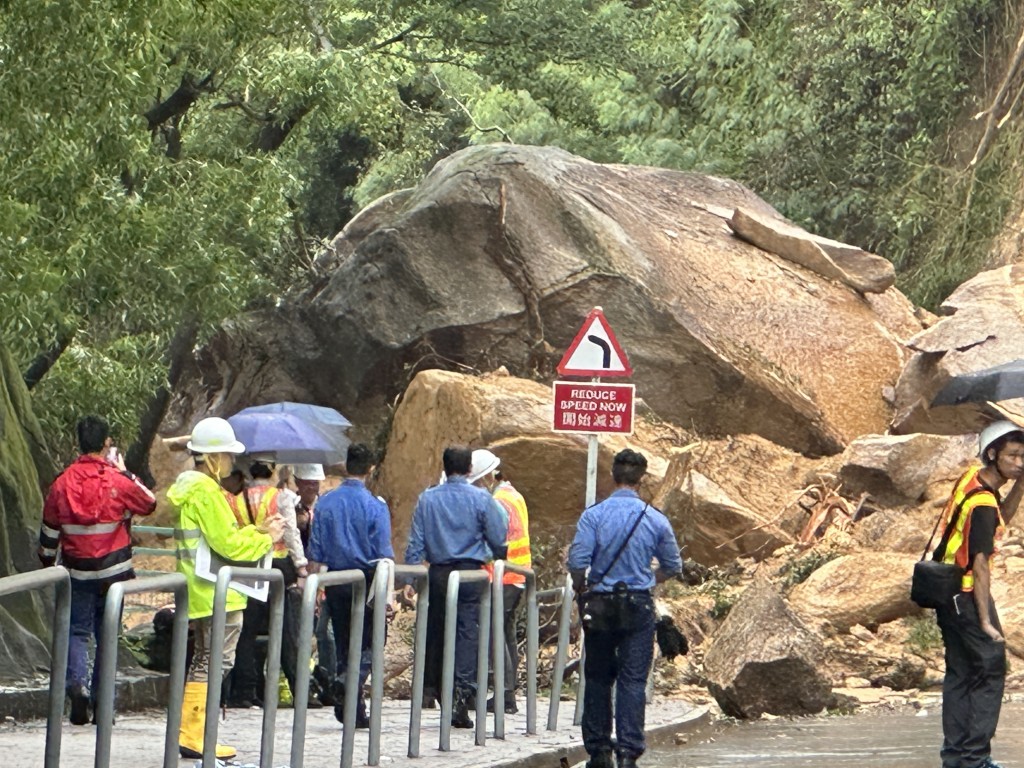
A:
x: 328, y: 422
x: 286, y: 437
x: 1001, y: 382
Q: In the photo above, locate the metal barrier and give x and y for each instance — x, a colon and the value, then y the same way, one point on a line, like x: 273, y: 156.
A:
x: 155, y: 551
x: 59, y: 578
x: 355, y: 635
x: 225, y: 576
x: 418, y: 573
x: 381, y: 598
x: 455, y: 580
x: 498, y: 644
x: 106, y: 657
x: 558, y: 674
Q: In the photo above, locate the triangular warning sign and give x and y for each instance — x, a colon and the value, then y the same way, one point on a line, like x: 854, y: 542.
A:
x: 595, y: 351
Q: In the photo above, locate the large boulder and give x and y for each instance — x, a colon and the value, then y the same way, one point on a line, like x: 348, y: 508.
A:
x: 513, y: 418
x: 764, y: 659
x: 734, y: 498
x: 24, y: 625
x: 904, y: 469
x: 497, y: 256
x: 983, y: 328
x: 866, y: 588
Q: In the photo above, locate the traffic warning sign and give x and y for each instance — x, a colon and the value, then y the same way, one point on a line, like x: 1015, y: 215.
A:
x: 595, y: 351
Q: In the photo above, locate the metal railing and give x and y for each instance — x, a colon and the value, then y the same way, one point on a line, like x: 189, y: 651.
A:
x: 455, y: 580
x: 561, y: 654
x: 155, y: 551
x: 59, y: 578
x: 225, y: 576
x: 499, y: 640
x: 106, y: 658
x: 301, y: 695
x: 418, y: 574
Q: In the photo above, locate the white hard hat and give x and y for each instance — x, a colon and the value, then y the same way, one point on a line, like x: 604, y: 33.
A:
x: 214, y: 435
x: 993, y: 432
x: 484, y: 462
x: 309, y: 472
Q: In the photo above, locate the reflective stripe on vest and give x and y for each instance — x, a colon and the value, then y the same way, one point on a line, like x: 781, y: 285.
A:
x: 264, y: 499
x: 968, y: 494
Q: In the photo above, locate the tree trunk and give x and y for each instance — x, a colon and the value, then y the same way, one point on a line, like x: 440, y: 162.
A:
x: 178, y: 353
x: 45, y: 361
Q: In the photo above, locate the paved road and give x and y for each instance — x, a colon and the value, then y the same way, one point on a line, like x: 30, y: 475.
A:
x: 138, y: 739
x: 893, y: 740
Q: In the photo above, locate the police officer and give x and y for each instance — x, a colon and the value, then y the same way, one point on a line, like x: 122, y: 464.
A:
x: 456, y: 526
x: 616, y: 541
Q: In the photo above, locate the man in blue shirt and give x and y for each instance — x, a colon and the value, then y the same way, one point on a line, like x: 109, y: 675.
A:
x: 455, y: 527
x: 351, y: 530
x: 616, y: 540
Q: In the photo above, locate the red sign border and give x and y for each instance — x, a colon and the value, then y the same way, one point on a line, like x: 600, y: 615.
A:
x: 632, y: 405
x: 599, y: 314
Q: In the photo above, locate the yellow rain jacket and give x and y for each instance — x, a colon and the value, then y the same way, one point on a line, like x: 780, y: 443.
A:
x: 203, y: 512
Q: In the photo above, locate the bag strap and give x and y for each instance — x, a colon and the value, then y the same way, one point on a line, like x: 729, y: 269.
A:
x: 622, y: 546
x: 952, y: 519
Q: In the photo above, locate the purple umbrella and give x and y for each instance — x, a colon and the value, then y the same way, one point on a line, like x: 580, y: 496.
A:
x: 331, y: 425
x: 285, y: 436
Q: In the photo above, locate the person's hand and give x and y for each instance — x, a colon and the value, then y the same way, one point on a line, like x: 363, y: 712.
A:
x: 409, y: 593
x: 989, y: 629
x: 274, y: 527
x: 301, y: 583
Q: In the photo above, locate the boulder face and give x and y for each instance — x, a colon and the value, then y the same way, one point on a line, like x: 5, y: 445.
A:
x: 24, y: 653
x: 511, y: 417
x: 905, y: 469
x: 982, y: 329
x: 763, y: 659
x: 867, y: 588
x: 496, y: 258
x: 734, y: 498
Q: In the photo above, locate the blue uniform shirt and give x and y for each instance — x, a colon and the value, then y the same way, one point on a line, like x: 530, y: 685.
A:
x: 602, y: 529
x: 456, y: 521
x: 351, y: 528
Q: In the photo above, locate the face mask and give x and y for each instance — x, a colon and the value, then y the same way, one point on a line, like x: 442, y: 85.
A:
x: 215, y: 465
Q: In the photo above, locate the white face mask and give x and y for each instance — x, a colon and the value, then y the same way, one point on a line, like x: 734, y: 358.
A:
x: 217, y: 466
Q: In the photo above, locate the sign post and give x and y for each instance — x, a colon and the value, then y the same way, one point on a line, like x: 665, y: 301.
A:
x: 594, y: 408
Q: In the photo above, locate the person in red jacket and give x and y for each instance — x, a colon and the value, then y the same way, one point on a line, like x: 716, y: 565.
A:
x: 87, y: 528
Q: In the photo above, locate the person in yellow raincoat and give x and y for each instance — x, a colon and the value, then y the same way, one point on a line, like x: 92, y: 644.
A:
x: 204, y: 514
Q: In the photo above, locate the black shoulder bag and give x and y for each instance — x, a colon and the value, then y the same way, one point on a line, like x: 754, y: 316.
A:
x: 609, y: 611
x: 935, y: 583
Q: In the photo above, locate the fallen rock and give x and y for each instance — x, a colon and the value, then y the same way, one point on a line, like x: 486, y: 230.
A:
x: 844, y: 263
x: 512, y: 417
x: 764, y: 660
x: 866, y: 588
x: 502, y: 250
x: 982, y: 329
x: 734, y: 498
x: 904, y: 469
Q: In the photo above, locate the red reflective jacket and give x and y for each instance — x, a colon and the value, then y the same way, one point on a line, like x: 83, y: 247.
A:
x: 87, y: 516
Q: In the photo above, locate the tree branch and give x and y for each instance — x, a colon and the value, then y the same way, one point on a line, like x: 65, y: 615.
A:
x: 465, y: 109
x: 1001, y: 104
x: 179, y: 102
x: 273, y: 134
x: 45, y: 361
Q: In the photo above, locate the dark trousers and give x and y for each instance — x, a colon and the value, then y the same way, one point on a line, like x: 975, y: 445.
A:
x: 972, y: 691
x: 622, y: 659
x: 247, y: 676
x: 467, y: 629
x: 338, y: 600
x: 87, y: 601
x: 512, y: 595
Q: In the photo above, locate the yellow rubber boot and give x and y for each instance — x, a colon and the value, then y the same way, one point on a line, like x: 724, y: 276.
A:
x: 193, y: 721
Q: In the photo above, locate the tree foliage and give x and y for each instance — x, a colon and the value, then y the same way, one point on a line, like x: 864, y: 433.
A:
x: 178, y: 161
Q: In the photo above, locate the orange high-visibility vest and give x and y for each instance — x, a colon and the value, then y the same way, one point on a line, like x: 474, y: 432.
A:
x: 969, y: 493
x: 518, y: 530
x: 263, y: 503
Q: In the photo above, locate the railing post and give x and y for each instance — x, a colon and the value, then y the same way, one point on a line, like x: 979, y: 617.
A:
x: 448, y: 665
x: 381, y: 579
x: 304, y: 653
x: 581, y: 685
x: 558, y: 674
x: 225, y: 576
x: 419, y: 651
x: 483, y: 639
x: 532, y: 651
x: 106, y: 658
x: 498, y: 646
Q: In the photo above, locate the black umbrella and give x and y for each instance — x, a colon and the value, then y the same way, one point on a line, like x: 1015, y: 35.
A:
x: 1001, y: 382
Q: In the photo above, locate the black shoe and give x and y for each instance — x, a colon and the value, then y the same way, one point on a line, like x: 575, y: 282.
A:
x: 430, y: 698
x: 80, y: 714
x: 460, y: 710
x: 601, y: 760
x: 510, y: 704
x: 323, y: 687
x: 627, y: 761
x: 362, y: 719
x: 241, y: 703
